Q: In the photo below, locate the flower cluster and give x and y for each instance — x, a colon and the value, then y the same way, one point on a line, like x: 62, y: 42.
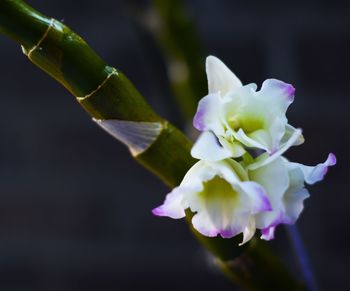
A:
x: 242, y: 182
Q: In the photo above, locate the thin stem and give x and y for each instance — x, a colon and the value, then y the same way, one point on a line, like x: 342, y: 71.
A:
x: 179, y: 41
x: 303, y: 259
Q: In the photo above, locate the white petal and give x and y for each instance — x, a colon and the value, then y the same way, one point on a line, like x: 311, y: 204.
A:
x: 273, y: 177
x: 207, y: 147
x: 236, y: 149
x: 293, y: 201
x: 174, y: 205
x: 263, y: 138
x: 221, y: 208
x: 277, y: 132
x: 197, y: 174
x: 316, y: 173
x: 220, y: 78
x: 228, y: 169
x: 249, y: 231
x: 275, y: 180
x: 295, y: 194
x: 288, y: 133
x: 239, y: 171
x: 203, y: 171
x: 249, y: 142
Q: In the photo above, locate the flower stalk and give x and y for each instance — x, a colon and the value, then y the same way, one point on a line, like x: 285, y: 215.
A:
x: 109, y: 97
x: 170, y: 26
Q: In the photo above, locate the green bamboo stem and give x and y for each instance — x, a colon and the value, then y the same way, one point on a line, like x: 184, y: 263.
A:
x: 67, y: 58
x: 105, y: 93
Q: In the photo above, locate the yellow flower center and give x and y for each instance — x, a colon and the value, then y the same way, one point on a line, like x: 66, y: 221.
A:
x: 248, y: 123
x: 220, y: 198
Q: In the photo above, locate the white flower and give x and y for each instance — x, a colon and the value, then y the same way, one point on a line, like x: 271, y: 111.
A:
x: 284, y: 182
x: 223, y: 201
x: 233, y: 116
x: 229, y: 197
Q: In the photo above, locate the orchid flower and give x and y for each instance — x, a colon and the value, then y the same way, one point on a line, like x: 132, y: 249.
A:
x: 228, y: 196
x: 233, y: 117
x: 223, y: 201
x: 284, y: 182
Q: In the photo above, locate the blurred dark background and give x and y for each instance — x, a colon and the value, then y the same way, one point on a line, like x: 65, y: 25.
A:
x: 75, y: 209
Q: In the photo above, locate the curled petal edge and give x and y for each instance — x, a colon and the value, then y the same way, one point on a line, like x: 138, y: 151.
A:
x: 264, y: 159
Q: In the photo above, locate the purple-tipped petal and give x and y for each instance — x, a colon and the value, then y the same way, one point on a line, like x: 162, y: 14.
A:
x: 228, y: 233
x: 277, y: 87
x: 159, y: 211
x: 205, y: 106
x: 258, y: 198
x: 278, y: 93
x: 207, y: 116
x: 289, y: 91
x: 268, y: 233
x: 316, y: 173
x: 199, y: 118
x: 173, y: 205
x: 237, y: 225
x: 331, y: 160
